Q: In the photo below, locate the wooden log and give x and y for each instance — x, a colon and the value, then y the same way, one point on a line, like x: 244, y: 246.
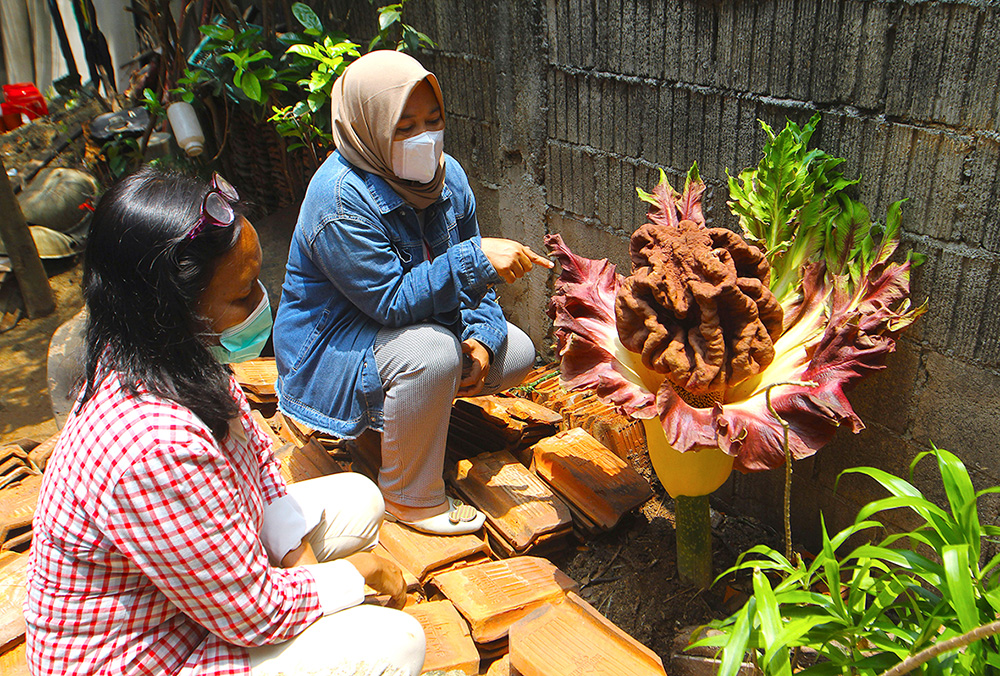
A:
x: 27, y: 266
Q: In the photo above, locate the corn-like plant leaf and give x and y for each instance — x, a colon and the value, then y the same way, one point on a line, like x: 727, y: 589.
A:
x: 776, y: 656
x: 736, y: 648
x: 961, y: 497
x: 959, y: 584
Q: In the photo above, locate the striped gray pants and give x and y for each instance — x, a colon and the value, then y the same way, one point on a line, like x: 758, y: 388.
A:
x: 420, y: 367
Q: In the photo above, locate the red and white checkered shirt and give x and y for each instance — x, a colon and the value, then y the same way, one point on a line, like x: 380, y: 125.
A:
x: 146, y: 557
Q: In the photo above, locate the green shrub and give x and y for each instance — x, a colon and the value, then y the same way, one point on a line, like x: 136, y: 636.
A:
x: 867, y: 611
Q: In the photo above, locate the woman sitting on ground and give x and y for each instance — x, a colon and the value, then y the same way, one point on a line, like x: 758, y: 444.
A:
x: 389, y: 288
x: 165, y: 540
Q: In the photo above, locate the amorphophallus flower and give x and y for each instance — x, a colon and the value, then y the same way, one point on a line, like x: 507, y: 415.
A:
x: 709, y: 326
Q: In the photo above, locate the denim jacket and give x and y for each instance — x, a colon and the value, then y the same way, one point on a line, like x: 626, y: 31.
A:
x: 357, y: 263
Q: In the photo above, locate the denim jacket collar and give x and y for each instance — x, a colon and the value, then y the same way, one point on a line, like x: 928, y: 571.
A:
x: 387, y: 199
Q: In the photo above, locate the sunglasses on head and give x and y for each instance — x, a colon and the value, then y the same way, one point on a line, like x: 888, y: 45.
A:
x: 217, y: 207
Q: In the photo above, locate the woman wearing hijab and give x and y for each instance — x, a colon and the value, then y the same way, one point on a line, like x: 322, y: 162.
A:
x: 388, y: 309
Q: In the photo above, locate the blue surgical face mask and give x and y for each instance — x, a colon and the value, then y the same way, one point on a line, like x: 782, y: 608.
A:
x: 245, y: 340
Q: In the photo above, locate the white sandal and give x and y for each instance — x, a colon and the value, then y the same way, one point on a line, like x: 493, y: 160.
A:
x: 458, y: 520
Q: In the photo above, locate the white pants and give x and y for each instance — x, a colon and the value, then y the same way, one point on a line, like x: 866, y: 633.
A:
x: 347, y: 509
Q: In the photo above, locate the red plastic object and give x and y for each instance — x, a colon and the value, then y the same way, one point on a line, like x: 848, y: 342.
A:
x: 23, y: 97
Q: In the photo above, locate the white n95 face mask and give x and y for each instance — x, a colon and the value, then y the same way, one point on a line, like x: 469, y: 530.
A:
x: 416, y: 158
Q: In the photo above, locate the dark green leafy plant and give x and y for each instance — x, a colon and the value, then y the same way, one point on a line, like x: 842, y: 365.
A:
x: 881, y: 603
x: 121, y: 153
x: 393, y: 33
x: 238, y: 59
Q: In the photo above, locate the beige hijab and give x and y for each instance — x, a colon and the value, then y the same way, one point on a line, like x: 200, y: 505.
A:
x: 367, y: 100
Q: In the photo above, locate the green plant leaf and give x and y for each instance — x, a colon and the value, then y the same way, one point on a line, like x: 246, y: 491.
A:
x: 251, y: 86
x: 410, y: 39
x: 316, y: 100
x: 238, y: 58
x: 219, y: 33
x: 307, y: 17
x: 258, y: 56
x: 775, y: 659
x: 959, y: 583
x: 389, y: 15
x: 306, y: 50
x: 735, y: 649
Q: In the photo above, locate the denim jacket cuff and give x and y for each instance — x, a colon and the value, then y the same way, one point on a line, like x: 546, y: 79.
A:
x: 487, y: 335
x: 479, y: 273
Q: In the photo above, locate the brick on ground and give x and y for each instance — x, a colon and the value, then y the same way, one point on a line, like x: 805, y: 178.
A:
x: 422, y: 553
x: 522, y: 513
x: 41, y: 453
x: 15, y: 465
x: 14, y: 662
x: 257, y: 378
x: 501, y: 667
x: 624, y: 436
x: 306, y: 462
x: 494, y: 423
x: 17, y: 507
x: 13, y: 567
x: 563, y: 636
x: 495, y: 594
x: 449, y: 641
x: 591, y: 478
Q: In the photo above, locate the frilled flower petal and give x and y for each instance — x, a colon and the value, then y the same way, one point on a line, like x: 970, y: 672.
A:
x: 583, y: 314
x: 832, y: 341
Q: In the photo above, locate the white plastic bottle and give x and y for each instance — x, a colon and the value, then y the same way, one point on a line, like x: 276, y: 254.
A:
x: 186, y: 128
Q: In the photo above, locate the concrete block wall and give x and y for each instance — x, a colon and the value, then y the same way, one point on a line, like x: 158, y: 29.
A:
x: 558, y: 109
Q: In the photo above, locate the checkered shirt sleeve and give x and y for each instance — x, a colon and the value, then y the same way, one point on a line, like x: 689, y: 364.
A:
x: 174, y: 517
x: 146, y: 556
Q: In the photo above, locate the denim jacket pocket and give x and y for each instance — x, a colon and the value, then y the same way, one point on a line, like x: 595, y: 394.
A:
x: 306, y: 348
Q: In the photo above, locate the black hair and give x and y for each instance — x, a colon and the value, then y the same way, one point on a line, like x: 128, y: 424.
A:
x: 142, y: 279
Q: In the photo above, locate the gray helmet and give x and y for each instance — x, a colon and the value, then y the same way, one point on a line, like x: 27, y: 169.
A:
x: 55, y: 198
